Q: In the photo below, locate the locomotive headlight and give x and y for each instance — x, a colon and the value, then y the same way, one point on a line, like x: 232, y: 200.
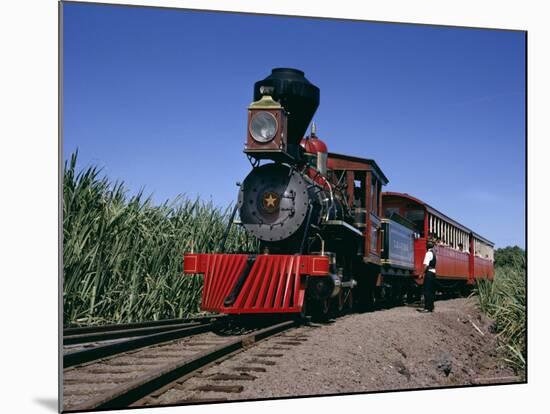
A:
x: 263, y: 126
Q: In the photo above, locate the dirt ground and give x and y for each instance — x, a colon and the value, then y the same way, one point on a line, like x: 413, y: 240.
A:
x: 391, y: 349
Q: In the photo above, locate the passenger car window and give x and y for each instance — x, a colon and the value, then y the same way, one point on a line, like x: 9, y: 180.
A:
x: 417, y: 217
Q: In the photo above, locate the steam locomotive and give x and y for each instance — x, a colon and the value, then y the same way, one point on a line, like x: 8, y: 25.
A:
x: 329, y: 239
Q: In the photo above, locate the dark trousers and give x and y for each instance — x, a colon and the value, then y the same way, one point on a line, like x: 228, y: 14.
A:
x: 429, y: 290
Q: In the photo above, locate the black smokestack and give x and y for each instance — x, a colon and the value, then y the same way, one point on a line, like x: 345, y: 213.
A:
x: 296, y: 94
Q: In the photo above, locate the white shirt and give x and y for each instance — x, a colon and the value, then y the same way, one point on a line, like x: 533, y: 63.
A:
x: 428, y: 258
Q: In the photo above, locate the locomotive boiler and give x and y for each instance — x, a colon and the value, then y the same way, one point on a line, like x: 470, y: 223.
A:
x: 324, y: 243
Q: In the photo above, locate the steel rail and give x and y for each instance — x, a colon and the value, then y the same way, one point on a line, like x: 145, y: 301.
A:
x: 86, y: 355
x: 123, y: 333
x: 135, y: 325
x: 126, y: 394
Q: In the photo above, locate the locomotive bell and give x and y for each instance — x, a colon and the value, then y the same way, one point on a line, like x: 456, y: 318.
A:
x: 316, y: 151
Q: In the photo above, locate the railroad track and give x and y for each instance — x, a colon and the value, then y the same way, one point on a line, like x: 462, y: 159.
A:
x: 80, y: 335
x: 122, y: 372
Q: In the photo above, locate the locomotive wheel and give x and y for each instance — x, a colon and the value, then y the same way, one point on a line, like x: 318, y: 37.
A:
x: 349, y: 306
x: 369, y: 299
x: 304, y: 311
x: 345, y: 301
x: 324, y: 307
x: 320, y: 309
x: 366, y: 296
x: 341, y: 302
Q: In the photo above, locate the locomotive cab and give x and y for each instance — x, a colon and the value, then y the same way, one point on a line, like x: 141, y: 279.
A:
x: 363, y: 180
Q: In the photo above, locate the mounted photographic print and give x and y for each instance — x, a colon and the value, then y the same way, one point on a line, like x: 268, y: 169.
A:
x: 260, y: 207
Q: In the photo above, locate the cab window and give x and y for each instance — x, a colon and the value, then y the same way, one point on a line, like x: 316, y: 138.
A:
x: 374, y: 195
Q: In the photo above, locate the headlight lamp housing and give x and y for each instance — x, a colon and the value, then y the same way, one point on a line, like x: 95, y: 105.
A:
x: 263, y: 126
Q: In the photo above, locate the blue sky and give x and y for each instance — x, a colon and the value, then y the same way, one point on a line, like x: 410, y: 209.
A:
x: 158, y: 99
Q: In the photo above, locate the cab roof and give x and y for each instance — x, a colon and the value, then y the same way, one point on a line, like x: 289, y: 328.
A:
x: 348, y: 162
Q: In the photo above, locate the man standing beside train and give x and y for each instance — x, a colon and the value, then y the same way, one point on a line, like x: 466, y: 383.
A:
x: 428, y: 274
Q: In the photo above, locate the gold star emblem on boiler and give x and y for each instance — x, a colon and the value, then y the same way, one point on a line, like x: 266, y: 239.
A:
x: 270, y: 200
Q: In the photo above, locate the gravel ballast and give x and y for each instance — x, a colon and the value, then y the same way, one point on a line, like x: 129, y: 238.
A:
x: 393, y: 349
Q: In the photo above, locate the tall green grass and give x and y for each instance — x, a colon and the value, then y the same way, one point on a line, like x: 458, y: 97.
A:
x: 122, y: 255
x: 504, y: 301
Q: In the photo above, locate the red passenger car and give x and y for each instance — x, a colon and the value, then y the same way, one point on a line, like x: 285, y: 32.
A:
x: 462, y: 255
